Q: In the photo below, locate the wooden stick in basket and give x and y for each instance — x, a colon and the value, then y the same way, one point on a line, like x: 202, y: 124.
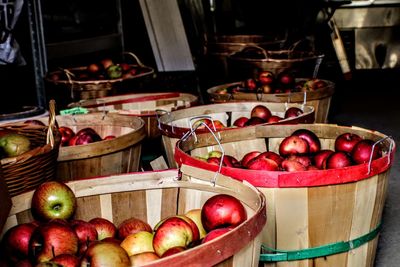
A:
x: 52, y: 121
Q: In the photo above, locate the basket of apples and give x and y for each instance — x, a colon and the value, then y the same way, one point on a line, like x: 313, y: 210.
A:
x: 98, y: 79
x: 281, y: 88
x: 143, y: 105
x: 179, y: 218
x: 98, y: 144
x: 226, y: 116
x: 28, y: 152
x: 325, y: 185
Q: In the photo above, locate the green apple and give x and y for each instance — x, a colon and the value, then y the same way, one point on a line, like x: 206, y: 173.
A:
x: 53, y: 200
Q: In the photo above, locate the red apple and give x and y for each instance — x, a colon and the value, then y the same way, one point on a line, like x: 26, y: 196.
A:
x: 303, y: 159
x: 293, y: 112
x: 240, y: 122
x: 16, y: 241
x: 85, y: 136
x: 93, y: 68
x: 274, y: 119
x: 200, y: 124
x: 215, y: 233
x: 109, y: 137
x: 312, y: 168
x: 248, y: 157
x: 293, y: 145
x: 125, y: 67
x: 250, y: 84
x: 107, y: 62
x: 261, y: 111
x: 222, y: 210
x: 85, y: 231
x: 193, y: 225
x: 104, y: 227
x: 214, y: 161
x: 101, y: 253
x: 66, y: 135
x: 67, y: 260
x: 52, y: 239
x: 138, y: 242
x: 362, y: 151
x: 293, y: 165
x: 312, y: 139
x: 143, y: 258
x: 131, y: 226
x: 263, y: 164
x: 266, y: 77
x: 286, y: 79
x: 346, y: 142
x: 314, y: 84
x: 271, y: 155
x: 338, y: 160
x: 230, y: 161
x: 172, y: 251
x: 173, y: 232
x: 254, y: 121
x: 320, y: 158
x: 53, y: 200
x: 195, y: 215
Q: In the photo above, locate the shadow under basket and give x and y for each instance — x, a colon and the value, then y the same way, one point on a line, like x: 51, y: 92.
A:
x: 30, y: 169
x: 317, y: 217
x: 157, y: 195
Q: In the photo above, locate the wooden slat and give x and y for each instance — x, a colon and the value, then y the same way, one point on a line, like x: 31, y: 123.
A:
x: 292, y: 221
x: 129, y: 204
x: 330, y: 218
x: 362, y: 216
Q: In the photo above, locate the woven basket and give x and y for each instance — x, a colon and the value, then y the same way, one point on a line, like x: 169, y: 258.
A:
x: 81, y: 90
x: 28, y: 170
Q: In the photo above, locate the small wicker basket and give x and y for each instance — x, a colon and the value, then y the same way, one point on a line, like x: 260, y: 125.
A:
x: 28, y: 170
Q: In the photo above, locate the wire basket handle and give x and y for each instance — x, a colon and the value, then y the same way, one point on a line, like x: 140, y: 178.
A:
x: 135, y: 57
x: 52, y: 123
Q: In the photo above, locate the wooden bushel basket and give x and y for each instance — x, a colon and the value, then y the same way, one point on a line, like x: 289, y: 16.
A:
x: 30, y: 169
x: 143, y: 105
x: 115, y: 156
x: 175, y: 124
x: 319, y: 99
x: 157, y: 195
x: 309, y: 209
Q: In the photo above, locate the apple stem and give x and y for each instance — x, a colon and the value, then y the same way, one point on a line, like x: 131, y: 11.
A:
x: 52, y: 251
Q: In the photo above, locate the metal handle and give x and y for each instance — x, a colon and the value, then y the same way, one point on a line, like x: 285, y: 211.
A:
x: 373, y: 148
x: 135, y: 57
x: 193, y: 132
x: 202, y: 117
x: 254, y: 47
x: 161, y: 112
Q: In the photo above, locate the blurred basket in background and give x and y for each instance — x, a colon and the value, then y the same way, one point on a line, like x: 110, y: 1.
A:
x: 69, y: 84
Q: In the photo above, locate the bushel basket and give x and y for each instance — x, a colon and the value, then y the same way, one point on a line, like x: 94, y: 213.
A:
x: 118, y: 155
x: 175, y: 124
x: 30, y: 169
x: 326, y: 217
x: 320, y: 99
x: 152, y: 196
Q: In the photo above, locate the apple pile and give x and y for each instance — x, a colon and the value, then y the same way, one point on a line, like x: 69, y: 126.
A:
x: 55, y: 237
x: 259, y: 114
x: 301, y: 151
x: 82, y: 137
x: 104, y: 70
x: 267, y: 83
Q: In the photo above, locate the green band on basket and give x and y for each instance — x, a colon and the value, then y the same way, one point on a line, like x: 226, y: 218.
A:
x: 315, y: 252
x: 73, y: 111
